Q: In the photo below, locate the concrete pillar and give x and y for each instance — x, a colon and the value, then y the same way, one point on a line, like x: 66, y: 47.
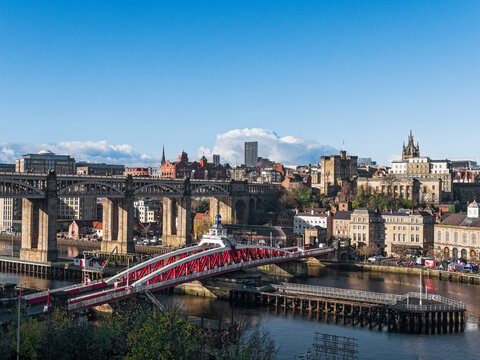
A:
x: 118, y: 218
x: 222, y: 206
x: 177, y: 221
x: 39, y: 225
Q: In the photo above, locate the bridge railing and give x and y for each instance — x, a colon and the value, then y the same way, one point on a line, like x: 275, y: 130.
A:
x: 331, y: 292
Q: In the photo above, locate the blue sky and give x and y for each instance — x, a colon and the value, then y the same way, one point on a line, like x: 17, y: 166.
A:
x: 147, y: 73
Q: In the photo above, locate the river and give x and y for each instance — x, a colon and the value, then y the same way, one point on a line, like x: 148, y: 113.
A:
x: 294, y: 333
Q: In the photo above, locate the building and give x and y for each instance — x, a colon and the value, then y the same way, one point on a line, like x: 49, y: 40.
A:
x: 293, y: 181
x: 45, y: 161
x: 11, y: 215
x: 366, y: 229
x: 194, y: 170
x: 424, y: 190
x: 465, y: 164
x: 422, y: 167
x: 285, y: 219
x: 148, y: 211
x: 84, y: 228
x: 271, y: 175
x: 315, y: 236
x: 263, y: 235
x: 458, y: 235
x: 67, y: 208
x: 216, y: 159
x: 251, y: 153
x: 341, y: 224
x: 7, y: 167
x: 310, y: 218
x: 408, y: 233
x: 10, y: 209
x: 366, y: 162
x: 78, y: 208
x: 102, y: 169
x: 137, y: 171
x: 334, y: 170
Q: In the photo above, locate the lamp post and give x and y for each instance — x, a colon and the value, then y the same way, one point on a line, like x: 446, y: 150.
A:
x: 18, y: 324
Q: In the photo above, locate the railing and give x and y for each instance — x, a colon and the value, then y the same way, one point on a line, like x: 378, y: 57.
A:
x: 331, y: 292
x: 443, y: 303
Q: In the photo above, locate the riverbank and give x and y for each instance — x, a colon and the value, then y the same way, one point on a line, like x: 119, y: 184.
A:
x: 471, y: 279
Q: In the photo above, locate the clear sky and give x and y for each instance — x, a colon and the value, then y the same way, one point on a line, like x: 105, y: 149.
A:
x: 147, y: 73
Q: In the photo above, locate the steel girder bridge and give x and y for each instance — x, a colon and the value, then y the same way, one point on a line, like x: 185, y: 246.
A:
x: 172, y: 269
x: 37, y: 186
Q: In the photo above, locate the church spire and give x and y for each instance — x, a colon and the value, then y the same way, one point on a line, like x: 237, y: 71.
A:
x: 163, y: 156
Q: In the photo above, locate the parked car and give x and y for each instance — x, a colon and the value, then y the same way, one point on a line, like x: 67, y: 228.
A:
x: 377, y: 258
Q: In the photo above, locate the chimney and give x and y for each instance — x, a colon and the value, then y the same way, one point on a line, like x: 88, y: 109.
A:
x: 313, y: 212
x: 296, y: 211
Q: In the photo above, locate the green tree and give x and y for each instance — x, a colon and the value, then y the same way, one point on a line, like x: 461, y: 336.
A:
x: 301, y: 197
x: 165, y: 336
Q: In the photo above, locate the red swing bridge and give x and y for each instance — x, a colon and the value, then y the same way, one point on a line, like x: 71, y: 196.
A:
x: 216, y: 254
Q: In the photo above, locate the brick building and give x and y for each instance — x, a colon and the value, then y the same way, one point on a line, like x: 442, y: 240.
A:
x: 194, y: 170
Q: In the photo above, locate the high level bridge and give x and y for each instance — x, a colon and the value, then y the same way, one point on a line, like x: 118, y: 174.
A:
x: 208, y: 259
x: 235, y: 201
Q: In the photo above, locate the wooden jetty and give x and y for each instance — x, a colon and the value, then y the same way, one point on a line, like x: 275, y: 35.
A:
x: 434, y: 314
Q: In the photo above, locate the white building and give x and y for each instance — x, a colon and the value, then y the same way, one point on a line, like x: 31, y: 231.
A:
x: 310, y: 218
x: 148, y: 211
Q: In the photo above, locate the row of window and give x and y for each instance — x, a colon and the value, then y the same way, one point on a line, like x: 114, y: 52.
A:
x: 403, y: 238
x: 473, y: 237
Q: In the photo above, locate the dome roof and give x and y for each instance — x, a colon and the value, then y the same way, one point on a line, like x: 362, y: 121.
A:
x: 45, y: 152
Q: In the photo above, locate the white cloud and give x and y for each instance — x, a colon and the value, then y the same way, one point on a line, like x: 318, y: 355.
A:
x: 287, y: 149
x: 91, y: 151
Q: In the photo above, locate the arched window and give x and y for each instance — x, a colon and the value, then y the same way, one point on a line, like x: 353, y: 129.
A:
x: 447, y: 236
x: 455, y: 237
x: 464, y: 237
x: 474, y: 239
x: 439, y: 235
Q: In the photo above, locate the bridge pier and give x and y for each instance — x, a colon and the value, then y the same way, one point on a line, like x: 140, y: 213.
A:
x: 39, y: 225
x: 223, y: 206
x: 118, y: 218
x: 177, y: 221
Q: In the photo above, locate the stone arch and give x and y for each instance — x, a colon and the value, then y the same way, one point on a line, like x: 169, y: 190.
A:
x: 446, y: 251
x: 252, y: 209
x: 463, y: 253
x: 240, y: 210
x: 455, y: 253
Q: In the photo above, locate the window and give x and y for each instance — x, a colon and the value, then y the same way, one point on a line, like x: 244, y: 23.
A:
x: 474, y: 239
x: 464, y: 238
x: 447, y: 236
x: 439, y: 235
x: 455, y: 237
x: 394, y: 237
x: 404, y: 237
x: 412, y: 238
x: 417, y: 237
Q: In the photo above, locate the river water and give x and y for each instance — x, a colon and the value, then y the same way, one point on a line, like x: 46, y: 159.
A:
x: 294, y: 333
